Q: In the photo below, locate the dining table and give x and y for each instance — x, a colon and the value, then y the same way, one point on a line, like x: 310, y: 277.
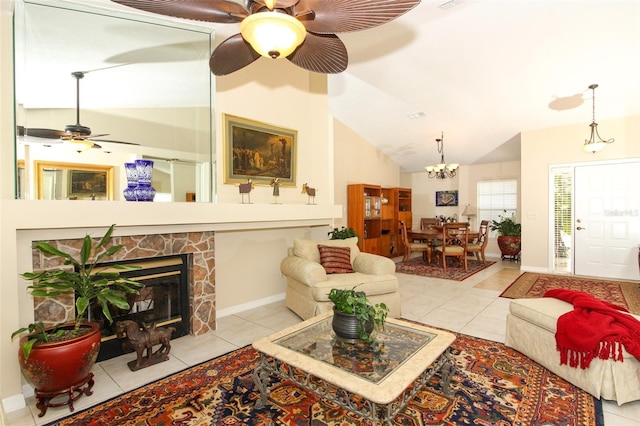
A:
x: 434, y: 233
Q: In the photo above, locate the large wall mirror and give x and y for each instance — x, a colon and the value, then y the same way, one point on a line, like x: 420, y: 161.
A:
x: 145, y: 92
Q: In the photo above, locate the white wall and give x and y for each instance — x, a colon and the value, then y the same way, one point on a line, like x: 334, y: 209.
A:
x: 357, y: 161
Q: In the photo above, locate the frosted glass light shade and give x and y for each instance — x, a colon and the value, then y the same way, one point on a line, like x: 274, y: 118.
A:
x: 593, y: 147
x: 273, y: 34
x: 79, y: 144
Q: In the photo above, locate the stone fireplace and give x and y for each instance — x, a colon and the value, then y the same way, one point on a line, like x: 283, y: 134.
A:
x: 201, y: 272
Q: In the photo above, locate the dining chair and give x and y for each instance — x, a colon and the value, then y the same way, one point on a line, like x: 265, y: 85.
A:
x: 410, y: 246
x: 428, y: 222
x: 455, y: 237
x: 480, y: 244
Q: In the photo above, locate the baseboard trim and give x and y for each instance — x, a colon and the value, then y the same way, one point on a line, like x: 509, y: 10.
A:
x: 250, y: 305
x: 13, y: 403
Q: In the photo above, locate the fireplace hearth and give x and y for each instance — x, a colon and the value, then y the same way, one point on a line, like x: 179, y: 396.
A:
x: 164, y: 300
x: 198, y: 303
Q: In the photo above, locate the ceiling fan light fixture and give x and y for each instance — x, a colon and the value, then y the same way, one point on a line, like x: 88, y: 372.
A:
x: 273, y: 34
x: 80, y: 145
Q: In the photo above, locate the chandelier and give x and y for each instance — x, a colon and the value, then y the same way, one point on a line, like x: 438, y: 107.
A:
x: 441, y: 170
x: 595, y: 143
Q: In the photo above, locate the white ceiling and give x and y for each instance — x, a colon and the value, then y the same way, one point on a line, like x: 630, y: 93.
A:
x: 482, y: 71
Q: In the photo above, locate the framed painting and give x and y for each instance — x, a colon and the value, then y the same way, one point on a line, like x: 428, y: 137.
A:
x: 258, y: 151
x: 446, y: 198
x: 70, y: 181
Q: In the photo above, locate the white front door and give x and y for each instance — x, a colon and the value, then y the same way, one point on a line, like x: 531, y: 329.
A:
x: 607, y: 220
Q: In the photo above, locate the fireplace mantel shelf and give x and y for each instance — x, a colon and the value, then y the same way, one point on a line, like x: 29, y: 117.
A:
x: 32, y: 215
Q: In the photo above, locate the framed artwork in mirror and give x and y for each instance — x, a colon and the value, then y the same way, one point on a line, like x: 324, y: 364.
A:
x: 71, y: 181
x: 258, y: 151
x: 446, y: 198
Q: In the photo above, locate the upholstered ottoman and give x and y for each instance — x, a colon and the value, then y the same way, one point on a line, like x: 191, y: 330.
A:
x: 531, y: 327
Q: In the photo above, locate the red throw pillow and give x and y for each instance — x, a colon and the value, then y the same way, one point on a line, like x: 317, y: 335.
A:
x: 335, y: 260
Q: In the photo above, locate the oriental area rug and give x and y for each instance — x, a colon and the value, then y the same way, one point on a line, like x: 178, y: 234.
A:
x: 417, y: 266
x: 532, y: 285
x: 493, y: 385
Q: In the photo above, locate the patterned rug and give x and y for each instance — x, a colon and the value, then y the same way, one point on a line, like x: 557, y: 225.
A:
x: 532, y: 285
x: 417, y: 266
x: 493, y: 385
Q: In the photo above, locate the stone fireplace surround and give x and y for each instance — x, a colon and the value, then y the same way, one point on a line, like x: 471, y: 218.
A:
x: 202, y: 311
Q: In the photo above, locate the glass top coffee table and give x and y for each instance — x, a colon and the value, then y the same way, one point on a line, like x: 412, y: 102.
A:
x: 376, y: 381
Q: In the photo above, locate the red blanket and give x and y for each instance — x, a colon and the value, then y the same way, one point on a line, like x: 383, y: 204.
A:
x: 594, y: 328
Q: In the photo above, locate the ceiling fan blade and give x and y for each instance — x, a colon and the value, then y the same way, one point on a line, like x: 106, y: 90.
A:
x: 112, y: 141
x: 170, y: 160
x: 321, y: 53
x: 231, y: 55
x: 341, y: 16
x: 41, y: 133
x: 220, y: 11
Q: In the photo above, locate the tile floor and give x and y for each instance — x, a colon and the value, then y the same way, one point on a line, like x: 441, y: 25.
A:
x: 471, y: 307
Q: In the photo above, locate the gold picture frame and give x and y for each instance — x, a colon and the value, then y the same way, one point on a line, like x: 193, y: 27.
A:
x: 258, y: 151
x: 74, y: 182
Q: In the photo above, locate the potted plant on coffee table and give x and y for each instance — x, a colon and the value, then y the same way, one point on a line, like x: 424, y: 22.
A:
x: 58, y: 360
x: 354, y: 317
x: 508, y: 235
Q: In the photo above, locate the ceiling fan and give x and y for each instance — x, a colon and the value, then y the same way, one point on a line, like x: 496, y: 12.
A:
x: 303, y: 31
x: 73, y: 133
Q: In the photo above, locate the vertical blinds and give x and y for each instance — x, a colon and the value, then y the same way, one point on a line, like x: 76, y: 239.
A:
x: 562, y: 208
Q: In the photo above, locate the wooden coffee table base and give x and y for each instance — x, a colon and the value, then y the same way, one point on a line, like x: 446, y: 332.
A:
x: 377, y: 413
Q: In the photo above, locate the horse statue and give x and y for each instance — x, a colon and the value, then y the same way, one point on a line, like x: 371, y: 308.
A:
x: 311, y: 192
x: 136, y: 338
x: 245, y: 188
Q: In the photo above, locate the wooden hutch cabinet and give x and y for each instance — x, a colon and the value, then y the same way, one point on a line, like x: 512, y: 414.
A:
x: 376, y: 221
x: 364, y: 211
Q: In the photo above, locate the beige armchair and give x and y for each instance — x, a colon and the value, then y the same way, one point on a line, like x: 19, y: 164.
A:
x: 309, y: 284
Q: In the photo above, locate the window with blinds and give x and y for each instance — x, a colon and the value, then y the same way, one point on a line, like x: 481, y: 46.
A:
x: 562, y: 208
x: 497, y: 198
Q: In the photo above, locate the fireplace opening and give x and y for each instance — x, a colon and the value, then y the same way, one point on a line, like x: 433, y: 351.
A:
x: 164, y: 300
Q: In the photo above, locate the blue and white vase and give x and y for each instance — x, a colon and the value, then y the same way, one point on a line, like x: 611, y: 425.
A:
x: 144, y: 190
x: 131, y: 172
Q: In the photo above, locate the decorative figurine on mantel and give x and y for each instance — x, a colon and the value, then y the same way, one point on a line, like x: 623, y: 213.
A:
x: 245, y: 188
x: 275, y: 182
x: 311, y: 193
x: 136, y: 338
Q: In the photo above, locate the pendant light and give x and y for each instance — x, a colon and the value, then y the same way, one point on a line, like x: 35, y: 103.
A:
x: 595, y: 143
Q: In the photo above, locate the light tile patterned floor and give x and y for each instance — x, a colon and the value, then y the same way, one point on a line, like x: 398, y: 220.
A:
x: 471, y: 307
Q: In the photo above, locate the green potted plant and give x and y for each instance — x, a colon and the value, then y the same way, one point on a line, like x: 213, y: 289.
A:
x: 67, y: 352
x: 342, y: 233
x: 354, y: 316
x: 508, y: 235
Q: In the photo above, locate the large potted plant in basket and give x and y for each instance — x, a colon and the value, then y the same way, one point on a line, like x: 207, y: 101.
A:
x: 508, y: 235
x: 354, y: 317
x: 58, y: 360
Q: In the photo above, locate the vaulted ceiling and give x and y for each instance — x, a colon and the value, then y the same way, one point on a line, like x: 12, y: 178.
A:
x: 482, y: 71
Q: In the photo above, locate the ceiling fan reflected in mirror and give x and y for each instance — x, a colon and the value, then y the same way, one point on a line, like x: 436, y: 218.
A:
x: 303, y: 31
x: 76, y: 134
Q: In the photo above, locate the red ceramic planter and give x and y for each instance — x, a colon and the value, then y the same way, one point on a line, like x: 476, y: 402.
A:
x: 509, y: 246
x: 59, y: 366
